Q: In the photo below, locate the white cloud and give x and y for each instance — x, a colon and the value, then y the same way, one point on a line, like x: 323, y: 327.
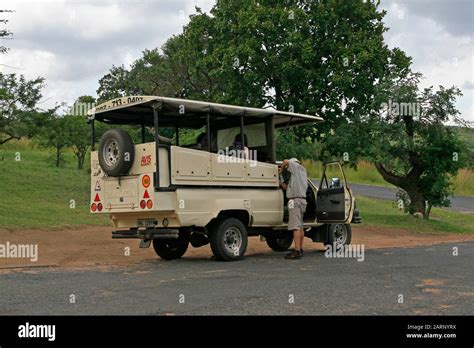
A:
x: 442, y: 53
x: 74, y: 43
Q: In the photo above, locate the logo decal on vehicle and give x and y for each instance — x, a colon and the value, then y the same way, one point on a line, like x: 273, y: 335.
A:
x: 146, y: 160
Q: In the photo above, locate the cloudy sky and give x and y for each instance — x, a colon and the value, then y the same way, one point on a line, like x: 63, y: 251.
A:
x: 74, y: 43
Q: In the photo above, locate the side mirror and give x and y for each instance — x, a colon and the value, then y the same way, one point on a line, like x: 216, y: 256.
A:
x: 335, y: 182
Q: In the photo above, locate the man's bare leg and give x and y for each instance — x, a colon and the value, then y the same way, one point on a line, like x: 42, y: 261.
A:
x: 297, y: 239
x: 302, y: 239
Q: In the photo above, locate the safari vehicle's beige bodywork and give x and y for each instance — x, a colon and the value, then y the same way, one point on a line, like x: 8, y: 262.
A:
x: 195, y: 187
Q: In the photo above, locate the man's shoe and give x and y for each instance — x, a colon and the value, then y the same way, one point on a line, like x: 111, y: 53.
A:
x: 294, y: 255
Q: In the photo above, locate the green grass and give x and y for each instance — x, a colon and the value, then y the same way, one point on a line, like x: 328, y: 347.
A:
x: 35, y: 194
x: 378, y: 212
x: 367, y: 174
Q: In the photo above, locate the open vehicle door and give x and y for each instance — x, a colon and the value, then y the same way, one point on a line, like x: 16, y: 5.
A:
x: 333, y: 201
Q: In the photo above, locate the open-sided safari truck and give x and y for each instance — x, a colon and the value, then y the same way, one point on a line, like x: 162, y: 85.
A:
x: 171, y: 195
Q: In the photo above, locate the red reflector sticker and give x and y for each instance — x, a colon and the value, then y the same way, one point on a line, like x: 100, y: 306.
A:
x: 143, y: 204
x: 146, y: 195
x: 97, y: 198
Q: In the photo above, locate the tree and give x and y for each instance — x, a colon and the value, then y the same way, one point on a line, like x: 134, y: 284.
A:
x: 53, y: 134
x: 78, y: 137
x: 18, y: 106
x: 326, y: 58
x: 77, y: 130
x: 405, y: 136
x: 318, y: 57
x: 4, y: 33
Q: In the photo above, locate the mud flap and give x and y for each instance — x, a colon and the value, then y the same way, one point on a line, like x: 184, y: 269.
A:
x: 318, y: 234
x: 145, y: 243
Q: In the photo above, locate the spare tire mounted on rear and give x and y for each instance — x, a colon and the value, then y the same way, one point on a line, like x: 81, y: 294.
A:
x: 116, y: 152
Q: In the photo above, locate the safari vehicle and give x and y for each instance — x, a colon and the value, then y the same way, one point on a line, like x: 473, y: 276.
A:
x: 171, y: 195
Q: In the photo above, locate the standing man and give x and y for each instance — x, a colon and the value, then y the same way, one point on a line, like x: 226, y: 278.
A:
x: 296, y: 194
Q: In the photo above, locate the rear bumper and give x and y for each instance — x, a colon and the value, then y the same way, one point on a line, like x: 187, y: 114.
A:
x: 356, y: 218
x: 147, y: 233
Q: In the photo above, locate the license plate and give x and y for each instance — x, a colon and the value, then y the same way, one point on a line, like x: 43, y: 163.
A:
x: 147, y: 223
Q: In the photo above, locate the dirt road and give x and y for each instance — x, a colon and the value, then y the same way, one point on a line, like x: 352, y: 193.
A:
x: 93, y: 246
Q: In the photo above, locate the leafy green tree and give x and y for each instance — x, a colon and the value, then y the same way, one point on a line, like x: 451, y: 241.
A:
x: 78, y: 136
x: 18, y: 106
x: 5, y: 34
x: 326, y: 58
x: 406, y: 138
x: 53, y: 134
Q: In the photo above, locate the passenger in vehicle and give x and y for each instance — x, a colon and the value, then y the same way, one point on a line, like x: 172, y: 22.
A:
x: 241, y: 147
x: 201, y: 141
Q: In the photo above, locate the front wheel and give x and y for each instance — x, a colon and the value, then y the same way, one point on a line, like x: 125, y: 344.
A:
x: 171, y: 249
x: 339, y: 234
x: 228, y: 239
x: 280, y: 241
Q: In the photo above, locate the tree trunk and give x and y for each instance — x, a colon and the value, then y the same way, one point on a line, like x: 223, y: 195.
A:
x: 58, y: 156
x: 418, y: 204
x: 80, y: 160
x: 428, y: 210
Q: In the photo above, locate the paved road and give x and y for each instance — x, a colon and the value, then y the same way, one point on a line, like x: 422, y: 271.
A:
x: 458, y: 203
x: 430, y: 278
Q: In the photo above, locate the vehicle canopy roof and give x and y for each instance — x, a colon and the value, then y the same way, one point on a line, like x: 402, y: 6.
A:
x: 174, y: 112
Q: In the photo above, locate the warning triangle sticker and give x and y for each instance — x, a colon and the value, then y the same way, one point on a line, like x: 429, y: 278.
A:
x: 97, y: 198
x: 146, y: 195
x: 97, y: 186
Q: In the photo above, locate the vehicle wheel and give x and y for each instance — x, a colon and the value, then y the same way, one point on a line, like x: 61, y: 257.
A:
x: 171, y: 249
x: 116, y: 152
x: 280, y: 241
x: 339, y: 234
x: 228, y: 239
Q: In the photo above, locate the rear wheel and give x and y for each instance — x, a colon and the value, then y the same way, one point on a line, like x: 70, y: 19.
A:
x: 339, y: 234
x: 171, y: 249
x: 228, y: 239
x: 280, y: 241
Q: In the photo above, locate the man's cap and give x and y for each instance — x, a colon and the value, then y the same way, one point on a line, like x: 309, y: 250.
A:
x: 294, y: 160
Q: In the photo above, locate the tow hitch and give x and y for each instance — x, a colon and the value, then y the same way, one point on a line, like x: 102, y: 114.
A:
x: 146, y: 235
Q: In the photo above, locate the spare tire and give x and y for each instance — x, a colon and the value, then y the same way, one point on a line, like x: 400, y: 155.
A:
x: 116, y: 152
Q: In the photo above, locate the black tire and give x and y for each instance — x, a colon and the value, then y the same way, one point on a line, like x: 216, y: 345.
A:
x: 228, y: 239
x: 116, y: 152
x: 339, y: 234
x: 280, y: 241
x: 171, y: 249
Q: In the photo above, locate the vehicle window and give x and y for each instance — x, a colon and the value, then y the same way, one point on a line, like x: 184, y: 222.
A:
x: 188, y: 137
x: 255, y: 136
x: 333, y: 177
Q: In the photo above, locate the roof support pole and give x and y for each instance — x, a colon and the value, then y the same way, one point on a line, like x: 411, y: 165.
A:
x: 92, y: 135
x: 242, y: 138
x: 270, y: 135
x: 143, y: 130
x: 208, y: 131
x: 156, y: 175
x: 177, y: 135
